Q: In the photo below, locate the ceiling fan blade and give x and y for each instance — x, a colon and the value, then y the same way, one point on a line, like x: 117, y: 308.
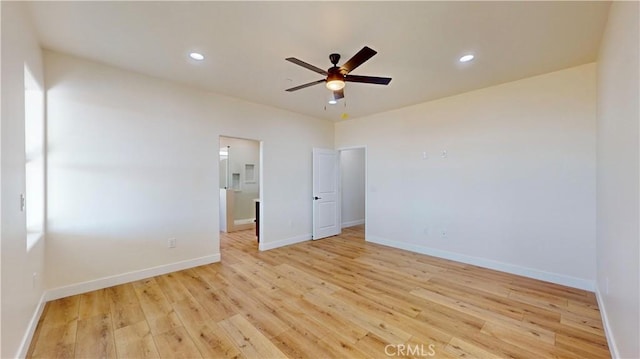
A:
x: 358, y: 59
x: 305, y: 85
x: 307, y: 66
x: 368, y: 79
x: 338, y: 94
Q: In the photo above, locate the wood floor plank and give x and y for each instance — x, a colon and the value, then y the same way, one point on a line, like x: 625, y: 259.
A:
x: 463, y: 349
x: 402, y: 304
x: 372, y: 345
x: 583, y: 308
x: 94, y: 303
x: 447, y: 320
x: 372, y: 309
x: 213, y: 342
x: 577, y: 335
x: 497, y: 304
x: 584, y: 349
x: 191, y: 313
x: 304, y: 280
x: 477, y: 283
x: 498, y: 347
x: 340, y: 297
x: 56, y: 341
x: 122, y: 295
x: 135, y: 341
x: 62, y: 311
x: 539, y: 348
x: 249, y: 340
x: 487, y: 315
x: 538, y: 298
x: 176, y: 343
x: 164, y: 323
x: 95, y: 338
x: 258, y: 313
x: 582, y: 322
x: 295, y: 345
x: 217, y: 304
x: 172, y: 288
x: 152, y: 299
x: 211, y: 275
x: 328, y: 321
x: 357, y: 316
x: 124, y: 315
x: 124, y: 306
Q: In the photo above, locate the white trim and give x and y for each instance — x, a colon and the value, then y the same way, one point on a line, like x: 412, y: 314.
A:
x: 31, y: 329
x: 352, y: 223
x: 284, y: 242
x: 110, y: 281
x: 351, y: 148
x: 613, y: 348
x: 33, y: 238
x: 491, y: 264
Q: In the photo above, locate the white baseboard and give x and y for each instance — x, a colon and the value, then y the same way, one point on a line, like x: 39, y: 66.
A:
x: 613, y: 348
x: 357, y: 222
x: 284, y: 242
x: 491, y: 264
x: 110, y: 281
x: 31, y: 329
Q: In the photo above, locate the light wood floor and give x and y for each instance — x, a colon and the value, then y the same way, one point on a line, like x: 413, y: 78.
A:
x: 339, y: 297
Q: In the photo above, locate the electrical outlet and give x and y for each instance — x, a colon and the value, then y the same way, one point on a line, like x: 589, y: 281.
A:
x: 444, y: 154
x: 171, y: 243
x: 425, y: 155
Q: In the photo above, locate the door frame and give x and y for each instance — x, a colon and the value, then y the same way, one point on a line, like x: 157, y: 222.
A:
x: 260, y: 183
x: 366, y: 182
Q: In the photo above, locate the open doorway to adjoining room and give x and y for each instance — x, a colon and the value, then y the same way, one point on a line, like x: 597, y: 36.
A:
x: 240, y: 188
x: 353, y: 179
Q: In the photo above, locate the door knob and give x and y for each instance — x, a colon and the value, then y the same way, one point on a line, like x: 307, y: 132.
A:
x: 316, y: 198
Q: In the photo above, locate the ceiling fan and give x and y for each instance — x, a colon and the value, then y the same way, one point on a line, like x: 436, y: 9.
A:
x: 337, y: 76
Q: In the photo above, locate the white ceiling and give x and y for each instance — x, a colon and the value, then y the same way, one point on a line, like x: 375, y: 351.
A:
x: 245, y: 44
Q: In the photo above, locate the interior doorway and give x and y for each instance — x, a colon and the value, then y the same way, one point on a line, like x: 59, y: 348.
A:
x: 240, y: 186
x: 353, y: 184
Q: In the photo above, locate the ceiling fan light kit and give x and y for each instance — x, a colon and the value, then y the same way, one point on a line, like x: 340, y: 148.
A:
x: 336, y: 77
x: 335, y: 82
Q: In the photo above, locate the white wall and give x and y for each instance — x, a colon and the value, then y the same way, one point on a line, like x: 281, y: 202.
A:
x: 352, y: 176
x: 516, y: 191
x: 133, y: 160
x: 20, y: 298
x: 618, y: 224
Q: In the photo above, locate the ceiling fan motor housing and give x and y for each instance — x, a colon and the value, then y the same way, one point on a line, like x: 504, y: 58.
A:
x: 334, y: 58
x: 335, y: 74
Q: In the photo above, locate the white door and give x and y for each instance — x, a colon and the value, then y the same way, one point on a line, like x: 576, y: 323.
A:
x: 326, y: 200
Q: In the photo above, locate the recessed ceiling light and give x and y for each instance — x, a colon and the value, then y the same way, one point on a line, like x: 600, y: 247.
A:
x: 466, y: 58
x: 196, y: 56
x: 333, y: 102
